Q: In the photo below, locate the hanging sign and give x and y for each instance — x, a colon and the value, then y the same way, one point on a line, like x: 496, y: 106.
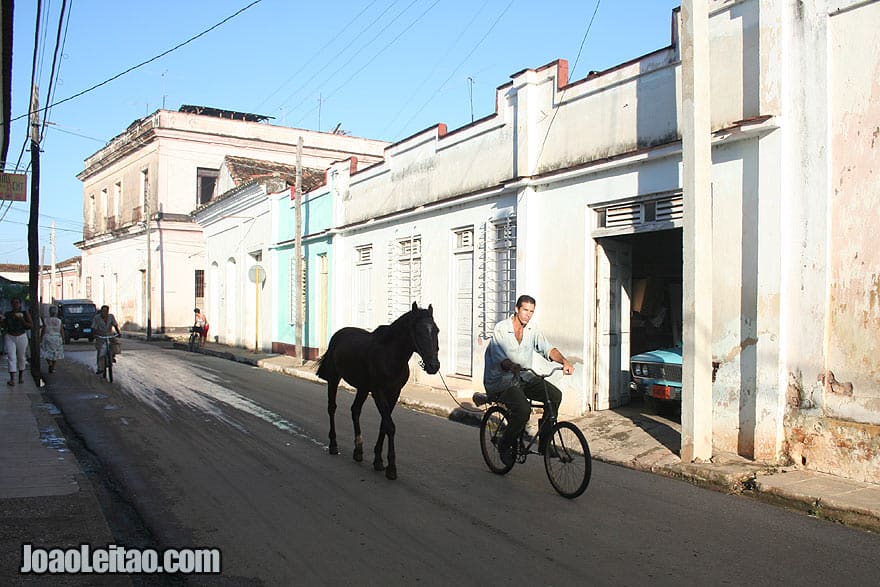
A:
x: 13, y: 186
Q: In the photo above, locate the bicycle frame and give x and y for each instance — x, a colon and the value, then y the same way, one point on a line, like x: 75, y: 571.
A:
x: 548, y: 420
x: 107, y: 350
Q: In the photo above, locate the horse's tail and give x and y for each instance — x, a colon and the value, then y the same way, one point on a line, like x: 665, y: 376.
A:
x: 326, y: 366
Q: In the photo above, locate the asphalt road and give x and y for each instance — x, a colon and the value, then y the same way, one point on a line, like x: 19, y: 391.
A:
x: 211, y: 453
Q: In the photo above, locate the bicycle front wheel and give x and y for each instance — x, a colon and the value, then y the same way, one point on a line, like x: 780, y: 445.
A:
x: 567, y: 460
x: 491, y: 431
x: 109, y: 372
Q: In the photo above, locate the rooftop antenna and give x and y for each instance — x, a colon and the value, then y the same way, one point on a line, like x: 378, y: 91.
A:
x: 471, y: 92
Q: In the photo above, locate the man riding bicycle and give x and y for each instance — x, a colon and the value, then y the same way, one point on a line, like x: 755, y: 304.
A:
x: 103, y: 324
x: 514, y: 342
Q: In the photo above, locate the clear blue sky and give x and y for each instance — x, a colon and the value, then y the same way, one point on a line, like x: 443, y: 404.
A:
x: 383, y: 69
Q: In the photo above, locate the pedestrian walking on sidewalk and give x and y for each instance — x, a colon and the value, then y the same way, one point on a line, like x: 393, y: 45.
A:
x: 51, y: 343
x: 17, y: 323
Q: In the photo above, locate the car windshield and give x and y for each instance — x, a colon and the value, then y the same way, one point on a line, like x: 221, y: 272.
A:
x: 79, y: 309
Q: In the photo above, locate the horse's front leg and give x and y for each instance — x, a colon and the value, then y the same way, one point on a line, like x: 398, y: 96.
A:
x: 391, y: 471
x: 332, y: 386
x: 359, y: 400
x: 387, y: 427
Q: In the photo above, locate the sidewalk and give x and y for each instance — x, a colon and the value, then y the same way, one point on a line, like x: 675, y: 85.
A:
x: 45, y: 497
x: 632, y: 438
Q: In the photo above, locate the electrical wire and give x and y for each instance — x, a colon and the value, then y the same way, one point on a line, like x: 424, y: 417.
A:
x: 417, y: 87
x: 343, y: 50
x: 315, y: 54
x: 457, y: 67
x: 562, y: 95
x: 382, y: 50
x: 53, y: 75
x: 139, y: 65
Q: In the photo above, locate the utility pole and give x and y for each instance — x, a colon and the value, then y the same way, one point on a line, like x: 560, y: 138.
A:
x: 149, y: 286
x: 297, y: 250
x: 52, y: 254
x: 696, y: 152
x: 33, y: 234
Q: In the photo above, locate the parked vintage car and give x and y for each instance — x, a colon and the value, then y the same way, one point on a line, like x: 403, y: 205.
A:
x: 76, y: 319
x: 657, y: 376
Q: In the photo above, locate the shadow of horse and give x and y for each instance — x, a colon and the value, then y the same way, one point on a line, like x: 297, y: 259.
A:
x: 377, y: 363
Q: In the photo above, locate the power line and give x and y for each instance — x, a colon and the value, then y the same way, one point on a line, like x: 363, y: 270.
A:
x: 437, y: 63
x: 457, y: 67
x: 382, y: 50
x: 59, y: 52
x: 343, y: 50
x: 562, y: 95
x: 56, y: 228
x: 316, y: 53
x: 52, y: 73
x: 159, y: 56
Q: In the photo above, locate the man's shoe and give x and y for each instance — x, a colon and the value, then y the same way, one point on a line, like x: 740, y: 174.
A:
x: 508, y: 455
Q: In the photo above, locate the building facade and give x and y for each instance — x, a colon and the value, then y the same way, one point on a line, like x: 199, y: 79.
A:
x: 145, y: 183
x: 574, y: 192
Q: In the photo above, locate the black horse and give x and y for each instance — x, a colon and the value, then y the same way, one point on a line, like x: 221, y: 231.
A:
x: 377, y: 362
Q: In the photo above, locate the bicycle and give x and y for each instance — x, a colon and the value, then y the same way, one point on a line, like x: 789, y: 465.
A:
x: 105, y: 359
x: 194, y: 335
x: 566, y: 452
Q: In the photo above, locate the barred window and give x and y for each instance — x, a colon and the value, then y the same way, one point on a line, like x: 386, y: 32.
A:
x: 200, y: 283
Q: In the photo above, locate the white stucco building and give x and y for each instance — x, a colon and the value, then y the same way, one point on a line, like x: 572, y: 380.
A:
x: 168, y: 163
x: 574, y: 192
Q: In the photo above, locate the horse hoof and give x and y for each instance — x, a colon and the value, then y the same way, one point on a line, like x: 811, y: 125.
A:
x: 358, y: 454
x: 378, y: 466
x: 391, y: 473
x: 334, y: 450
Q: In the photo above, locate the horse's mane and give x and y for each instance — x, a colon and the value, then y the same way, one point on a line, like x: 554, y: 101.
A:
x: 387, y: 331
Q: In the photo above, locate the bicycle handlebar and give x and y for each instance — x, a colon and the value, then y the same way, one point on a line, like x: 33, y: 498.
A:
x: 106, y: 336
x: 542, y: 376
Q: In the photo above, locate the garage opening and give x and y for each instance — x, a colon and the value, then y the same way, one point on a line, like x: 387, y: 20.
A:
x: 639, y: 320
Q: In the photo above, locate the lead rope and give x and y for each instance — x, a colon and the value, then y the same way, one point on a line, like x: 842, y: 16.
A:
x: 455, y: 399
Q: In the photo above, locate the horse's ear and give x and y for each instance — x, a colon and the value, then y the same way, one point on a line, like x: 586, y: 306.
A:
x: 415, y: 306
x: 430, y: 310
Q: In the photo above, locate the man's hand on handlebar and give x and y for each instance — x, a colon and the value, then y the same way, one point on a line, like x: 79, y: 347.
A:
x: 509, y: 365
x: 567, y: 368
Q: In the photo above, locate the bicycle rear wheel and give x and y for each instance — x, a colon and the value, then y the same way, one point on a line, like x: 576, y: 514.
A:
x: 491, y: 431
x: 567, y: 460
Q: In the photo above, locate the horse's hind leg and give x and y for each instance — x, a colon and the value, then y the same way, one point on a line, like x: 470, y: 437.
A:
x: 359, y: 400
x: 332, y: 386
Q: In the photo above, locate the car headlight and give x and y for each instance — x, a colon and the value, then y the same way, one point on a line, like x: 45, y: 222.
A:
x: 637, y: 369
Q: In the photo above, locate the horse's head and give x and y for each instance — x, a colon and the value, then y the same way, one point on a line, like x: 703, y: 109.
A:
x: 424, y: 332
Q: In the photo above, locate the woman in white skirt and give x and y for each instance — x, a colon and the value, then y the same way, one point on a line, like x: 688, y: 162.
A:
x: 51, y: 343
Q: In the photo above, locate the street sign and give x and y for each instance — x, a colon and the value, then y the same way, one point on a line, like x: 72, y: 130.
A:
x: 257, y: 272
x: 13, y: 186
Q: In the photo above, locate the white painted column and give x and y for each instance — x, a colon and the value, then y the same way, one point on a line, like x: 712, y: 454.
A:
x: 696, y: 410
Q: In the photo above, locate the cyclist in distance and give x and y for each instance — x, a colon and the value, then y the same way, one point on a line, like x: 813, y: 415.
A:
x: 200, y: 325
x: 103, y: 324
x: 514, y: 342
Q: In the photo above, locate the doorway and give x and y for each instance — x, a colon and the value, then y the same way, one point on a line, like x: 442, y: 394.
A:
x: 638, y: 307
